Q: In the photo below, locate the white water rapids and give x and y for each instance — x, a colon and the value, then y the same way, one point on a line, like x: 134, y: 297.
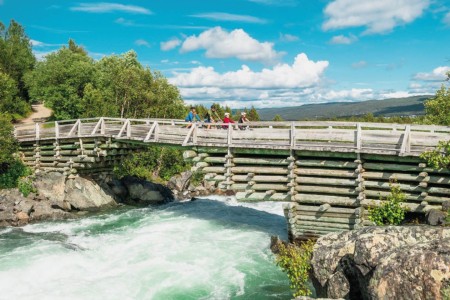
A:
x: 205, y: 249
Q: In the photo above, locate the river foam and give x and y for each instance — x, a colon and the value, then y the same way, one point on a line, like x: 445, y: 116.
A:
x: 205, y: 249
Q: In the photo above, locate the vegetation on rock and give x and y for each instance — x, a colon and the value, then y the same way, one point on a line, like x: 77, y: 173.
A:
x: 295, y: 261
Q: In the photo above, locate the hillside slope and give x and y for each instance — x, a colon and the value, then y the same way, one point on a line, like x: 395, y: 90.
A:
x: 388, y: 107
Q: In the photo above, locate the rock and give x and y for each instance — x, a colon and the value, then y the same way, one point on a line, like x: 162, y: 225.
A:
x: 118, y: 189
x: 436, y: 217
x: 346, y: 264
x: 415, y: 271
x: 84, y: 194
x: 180, y: 182
x: 52, y: 186
x: 275, y: 242
x: 22, y: 218
x: 43, y: 210
x: 146, y: 192
x: 446, y: 205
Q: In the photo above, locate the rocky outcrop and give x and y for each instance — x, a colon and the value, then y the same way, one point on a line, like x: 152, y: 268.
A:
x: 58, y: 197
x: 140, y: 191
x: 182, y: 186
x: 409, y: 262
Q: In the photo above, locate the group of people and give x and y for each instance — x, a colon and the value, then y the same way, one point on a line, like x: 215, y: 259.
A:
x: 213, y: 117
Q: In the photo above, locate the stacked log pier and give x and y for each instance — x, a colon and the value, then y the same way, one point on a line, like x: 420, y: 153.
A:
x: 325, y: 191
x: 88, y: 156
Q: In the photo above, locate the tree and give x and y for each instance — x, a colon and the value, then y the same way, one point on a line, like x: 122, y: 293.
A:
x: 61, y: 79
x: 253, y: 115
x: 9, y: 100
x: 8, y: 144
x: 16, y: 56
x: 277, y: 118
x: 437, y: 109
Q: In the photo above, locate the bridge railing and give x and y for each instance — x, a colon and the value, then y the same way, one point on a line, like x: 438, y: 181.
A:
x: 335, y: 136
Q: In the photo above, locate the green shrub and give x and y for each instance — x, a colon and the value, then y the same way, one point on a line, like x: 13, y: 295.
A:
x: 197, y: 178
x: 391, y: 211
x: 439, y: 157
x: 155, y: 163
x: 26, y: 186
x: 10, y: 174
x: 295, y: 262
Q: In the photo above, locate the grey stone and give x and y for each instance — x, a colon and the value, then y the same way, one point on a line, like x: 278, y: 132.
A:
x: 43, y: 210
x: 84, y: 194
x: 145, y: 192
x: 446, y: 205
x: 118, y: 188
x: 436, y: 217
x: 52, y: 186
x: 359, y: 255
x: 180, y: 182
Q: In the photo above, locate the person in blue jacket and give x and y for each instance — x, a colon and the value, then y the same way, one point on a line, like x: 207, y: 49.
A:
x: 192, y: 117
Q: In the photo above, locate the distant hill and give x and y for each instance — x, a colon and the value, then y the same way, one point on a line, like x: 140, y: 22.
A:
x: 388, y: 107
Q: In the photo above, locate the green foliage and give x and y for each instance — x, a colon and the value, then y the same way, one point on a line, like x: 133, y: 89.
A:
x: 11, y: 172
x: 154, y: 163
x: 438, y: 157
x: 25, y: 186
x: 197, y: 178
x: 16, y: 56
x: 295, y: 262
x: 8, y: 144
x: 438, y: 108
x: 277, y: 118
x: 60, y: 80
x: 391, y: 211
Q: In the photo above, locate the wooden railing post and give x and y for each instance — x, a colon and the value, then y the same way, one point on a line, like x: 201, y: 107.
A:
x: 406, y: 142
x: 292, y: 135
x: 37, y: 131
x: 102, y: 126
x: 56, y: 130
x: 79, y: 127
x: 229, y: 134
x: 129, y: 129
x: 358, y: 139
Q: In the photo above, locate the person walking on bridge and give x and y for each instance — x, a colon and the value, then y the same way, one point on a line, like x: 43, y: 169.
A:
x: 226, y: 120
x: 212, y: 116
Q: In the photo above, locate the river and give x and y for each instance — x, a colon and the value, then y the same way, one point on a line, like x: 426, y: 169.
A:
x: 211, y: 248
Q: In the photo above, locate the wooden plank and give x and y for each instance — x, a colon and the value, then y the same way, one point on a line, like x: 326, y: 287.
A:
x: 326, y: 163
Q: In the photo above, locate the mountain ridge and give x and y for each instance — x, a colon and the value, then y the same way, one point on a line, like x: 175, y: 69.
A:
x: 407, y: 106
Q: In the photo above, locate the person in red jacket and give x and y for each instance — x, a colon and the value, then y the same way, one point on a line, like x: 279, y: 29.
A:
x: 227, y: 119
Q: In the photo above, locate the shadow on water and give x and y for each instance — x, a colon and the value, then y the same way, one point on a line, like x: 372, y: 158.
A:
x: 231, y: 216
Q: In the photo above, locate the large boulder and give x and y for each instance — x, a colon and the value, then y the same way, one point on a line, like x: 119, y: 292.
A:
x: 180, y: 182
x: 52, y: 186
x: 144, y: 192
x: 352, y: 264
x: 84, y: 194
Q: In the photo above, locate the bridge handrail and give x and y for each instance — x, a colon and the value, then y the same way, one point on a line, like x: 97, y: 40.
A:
x: 353, y: 136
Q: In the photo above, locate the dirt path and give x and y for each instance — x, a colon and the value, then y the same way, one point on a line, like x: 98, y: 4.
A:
x: 40, y: 114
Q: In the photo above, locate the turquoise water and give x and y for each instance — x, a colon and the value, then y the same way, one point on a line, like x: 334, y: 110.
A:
x: 204, y: 249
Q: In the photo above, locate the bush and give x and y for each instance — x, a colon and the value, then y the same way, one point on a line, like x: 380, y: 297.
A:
x: 155, y: 163
x: 295, y: 262
x: 438, y: 157
x: 391, y: 211
x: 26, y: 186
x: 11, y: 173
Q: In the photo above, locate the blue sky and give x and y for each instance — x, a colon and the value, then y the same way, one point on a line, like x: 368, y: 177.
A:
x: 265, y: 53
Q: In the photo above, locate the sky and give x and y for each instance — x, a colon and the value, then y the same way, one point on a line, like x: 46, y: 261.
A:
x: 261, y: 53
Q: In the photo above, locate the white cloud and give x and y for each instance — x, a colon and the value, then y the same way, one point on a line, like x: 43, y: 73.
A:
x: 141, y: 42
x: 276, y: 2
x: 438, y: 74
x: 170, y: 44
x: 359, y: 65
x: 302, y: 73
x: 377, y: 16
x: 106, y: 7
x: 35, y: 43
x: 220, y: 16
x: 286, y: 37
x: 342, y: 39
x: 447, y: 18
x: 220, y: 43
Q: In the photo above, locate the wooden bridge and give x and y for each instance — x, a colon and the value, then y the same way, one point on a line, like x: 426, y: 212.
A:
x: 328, y: 171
